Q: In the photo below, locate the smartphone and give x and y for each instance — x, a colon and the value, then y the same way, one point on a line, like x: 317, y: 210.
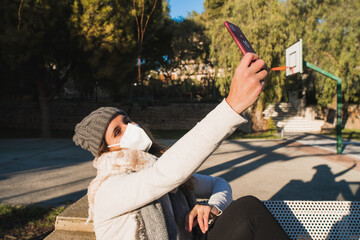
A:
x: 239, y: 38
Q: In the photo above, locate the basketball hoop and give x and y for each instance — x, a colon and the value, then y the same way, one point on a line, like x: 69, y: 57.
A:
x: 294, y: 64
x: 283, y: 68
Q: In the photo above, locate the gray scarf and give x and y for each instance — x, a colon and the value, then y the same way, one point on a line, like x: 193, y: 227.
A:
x: 155, y: 220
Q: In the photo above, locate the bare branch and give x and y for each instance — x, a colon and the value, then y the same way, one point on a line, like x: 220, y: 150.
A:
x: 19, y: 14
x: 142, y: 20
x: 147, y: 21
x: 137, y: 21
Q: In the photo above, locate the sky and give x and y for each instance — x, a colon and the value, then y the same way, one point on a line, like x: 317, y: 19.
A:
x: 180, y: 8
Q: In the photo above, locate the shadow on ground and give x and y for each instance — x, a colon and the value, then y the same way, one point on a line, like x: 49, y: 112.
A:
x: 41, y: 155
x: 323, y: 185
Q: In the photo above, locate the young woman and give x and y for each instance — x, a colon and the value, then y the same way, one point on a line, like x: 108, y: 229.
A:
x: 143, y: 191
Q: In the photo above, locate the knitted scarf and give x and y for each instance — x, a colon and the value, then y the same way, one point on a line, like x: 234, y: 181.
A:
x: 154, y: 220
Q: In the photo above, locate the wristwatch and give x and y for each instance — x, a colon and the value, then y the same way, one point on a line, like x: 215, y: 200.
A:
x: 214, y: 212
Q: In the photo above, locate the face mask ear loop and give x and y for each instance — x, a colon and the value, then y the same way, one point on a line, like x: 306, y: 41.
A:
x: 116, y: 144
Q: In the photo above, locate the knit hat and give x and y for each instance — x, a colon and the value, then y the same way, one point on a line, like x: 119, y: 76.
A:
x: 90, y: 132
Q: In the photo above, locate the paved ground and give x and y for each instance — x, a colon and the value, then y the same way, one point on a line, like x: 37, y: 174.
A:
x: 350, y: 148
x: 45, y: 171
x: 303, y: 167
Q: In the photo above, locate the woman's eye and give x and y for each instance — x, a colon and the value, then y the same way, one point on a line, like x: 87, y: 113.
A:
x: 117, y: 132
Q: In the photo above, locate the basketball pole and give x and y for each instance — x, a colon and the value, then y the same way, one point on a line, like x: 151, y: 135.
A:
x: 338, y: 108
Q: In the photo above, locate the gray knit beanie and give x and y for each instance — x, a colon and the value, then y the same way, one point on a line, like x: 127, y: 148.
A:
x: 90, y: 132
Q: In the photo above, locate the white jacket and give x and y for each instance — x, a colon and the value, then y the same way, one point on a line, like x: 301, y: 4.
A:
x: 121, y: 194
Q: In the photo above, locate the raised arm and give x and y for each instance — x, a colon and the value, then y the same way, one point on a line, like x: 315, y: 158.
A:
x: 125, y: 193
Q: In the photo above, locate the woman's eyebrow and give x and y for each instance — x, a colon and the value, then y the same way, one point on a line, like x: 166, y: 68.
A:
x: 115, y: 129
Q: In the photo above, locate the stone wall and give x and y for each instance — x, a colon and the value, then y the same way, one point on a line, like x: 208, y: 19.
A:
x: 64, y: 116
x: 183, y: 116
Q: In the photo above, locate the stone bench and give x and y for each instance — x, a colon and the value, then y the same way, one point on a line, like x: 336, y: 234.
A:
x: 329, y: 220
x: 301, y: 220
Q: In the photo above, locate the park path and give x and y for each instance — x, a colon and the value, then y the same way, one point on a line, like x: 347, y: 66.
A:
x: 55, y: 171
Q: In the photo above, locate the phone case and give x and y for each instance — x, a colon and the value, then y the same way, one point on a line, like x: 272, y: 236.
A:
x: 239, y: 38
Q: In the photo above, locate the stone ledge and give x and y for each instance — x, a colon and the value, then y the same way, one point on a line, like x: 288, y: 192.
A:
x: 70, y: 224
x: 70, y: 235
x: 73, y: 224
x: 78, y: 210
x: 74, y: 217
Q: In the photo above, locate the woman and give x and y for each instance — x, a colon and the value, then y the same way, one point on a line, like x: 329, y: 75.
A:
x: 144, y: 192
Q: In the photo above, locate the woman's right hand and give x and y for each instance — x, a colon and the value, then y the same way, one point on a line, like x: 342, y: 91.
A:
x: 198, y: 215
x: 247, y: 83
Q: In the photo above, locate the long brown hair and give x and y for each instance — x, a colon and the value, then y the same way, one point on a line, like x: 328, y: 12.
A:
x: 157, y: 149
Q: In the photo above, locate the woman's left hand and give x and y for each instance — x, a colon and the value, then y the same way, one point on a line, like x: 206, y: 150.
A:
x: 202, y: 212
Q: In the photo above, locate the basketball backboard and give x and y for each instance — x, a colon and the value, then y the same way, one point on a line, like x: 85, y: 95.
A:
x: 294, y: 59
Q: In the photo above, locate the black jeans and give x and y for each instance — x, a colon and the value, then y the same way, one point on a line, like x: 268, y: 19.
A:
x: 246, y: 218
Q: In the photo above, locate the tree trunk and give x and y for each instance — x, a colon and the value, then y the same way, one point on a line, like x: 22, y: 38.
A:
x: 44, y: 102
x: 45, y: 118
x: 140, y: 79
x: 139, y: 70
x: 258, y: 122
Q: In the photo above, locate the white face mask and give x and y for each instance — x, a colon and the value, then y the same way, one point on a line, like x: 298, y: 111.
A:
x: 134, y: 138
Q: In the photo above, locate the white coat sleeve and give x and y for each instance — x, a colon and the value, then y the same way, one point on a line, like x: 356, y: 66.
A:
x: 127, y: 192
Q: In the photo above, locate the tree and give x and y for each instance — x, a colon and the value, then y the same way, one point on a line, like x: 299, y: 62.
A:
x: 329, y: 29
x: 213, y: 9
x: 38, y: 51
x: 157, y: 42
x: 110, y: 38
x: 331, y: 41
x: 107, y: 40
x: 141, y: 24
x: 185, y: 55
x: 263, y: 22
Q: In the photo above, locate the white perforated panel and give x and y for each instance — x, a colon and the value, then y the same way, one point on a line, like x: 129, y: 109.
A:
x: 331, y: 220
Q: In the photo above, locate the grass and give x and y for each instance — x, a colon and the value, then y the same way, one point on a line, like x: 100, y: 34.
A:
x: 347, y: 134
x: 27, y: 222
x: 269, y: 134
